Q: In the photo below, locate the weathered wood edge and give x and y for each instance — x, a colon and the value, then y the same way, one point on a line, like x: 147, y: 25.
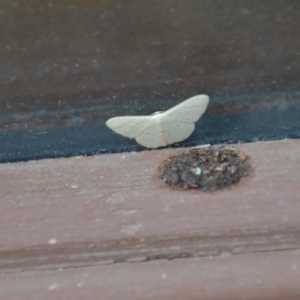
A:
x: 262, y: 276
x: 64, y: 200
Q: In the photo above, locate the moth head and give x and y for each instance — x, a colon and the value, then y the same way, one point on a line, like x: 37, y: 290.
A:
x: 157, y: 113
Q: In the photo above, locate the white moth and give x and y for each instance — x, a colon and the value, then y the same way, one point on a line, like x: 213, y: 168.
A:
x: 162, y: 128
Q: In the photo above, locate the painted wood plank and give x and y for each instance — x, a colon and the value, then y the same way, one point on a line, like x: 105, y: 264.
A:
x: 111, y: 208
x: 259, y: 276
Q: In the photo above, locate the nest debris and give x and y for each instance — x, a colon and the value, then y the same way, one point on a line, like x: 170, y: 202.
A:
x: 209, y: 169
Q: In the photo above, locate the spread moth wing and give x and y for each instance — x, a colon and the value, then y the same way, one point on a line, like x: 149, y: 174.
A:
x: 176, y: 132
x: 145, y: 129
x: 130, y: 126
x: 153, y: 136
x: 178, y: 123
x: 158, y: 130
x: 188, y: 111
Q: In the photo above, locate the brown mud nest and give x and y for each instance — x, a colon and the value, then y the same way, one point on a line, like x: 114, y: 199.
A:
x: 207, y: 168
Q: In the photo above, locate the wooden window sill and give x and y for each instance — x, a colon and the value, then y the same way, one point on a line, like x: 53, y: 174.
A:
x: 105, y: 225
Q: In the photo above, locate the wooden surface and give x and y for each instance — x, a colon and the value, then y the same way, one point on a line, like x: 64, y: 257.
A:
x: 75, y: 227
x: 257, y: 276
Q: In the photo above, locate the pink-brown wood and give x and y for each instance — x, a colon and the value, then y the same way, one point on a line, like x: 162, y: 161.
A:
x: 112, y: 207
x: 87, y: 212
x: 258, y: 276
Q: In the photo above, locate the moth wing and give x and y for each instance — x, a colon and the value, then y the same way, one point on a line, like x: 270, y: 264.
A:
x: 129, y: 126
x: 176, y: 131
x: 174, y: 125
x: 188, y: 111
x: 153, y: 136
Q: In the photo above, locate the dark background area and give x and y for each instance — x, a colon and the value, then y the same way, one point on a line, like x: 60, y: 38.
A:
x: 67, y: 66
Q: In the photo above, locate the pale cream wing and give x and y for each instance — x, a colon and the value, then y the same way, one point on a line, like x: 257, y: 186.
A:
x: 129, y: 126
x: 176, y: 132
x: 153, y: 136
x: 188, y: 111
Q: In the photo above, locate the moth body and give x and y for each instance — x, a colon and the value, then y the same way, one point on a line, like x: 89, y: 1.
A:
x: 162, y: 128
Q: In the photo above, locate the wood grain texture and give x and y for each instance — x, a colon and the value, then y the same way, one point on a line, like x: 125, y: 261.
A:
x: 259, y: 276
x: 110, y: 208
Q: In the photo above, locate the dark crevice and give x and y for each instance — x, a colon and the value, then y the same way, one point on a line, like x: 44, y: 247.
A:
x: 86, y: 140
x: 170, y: 257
